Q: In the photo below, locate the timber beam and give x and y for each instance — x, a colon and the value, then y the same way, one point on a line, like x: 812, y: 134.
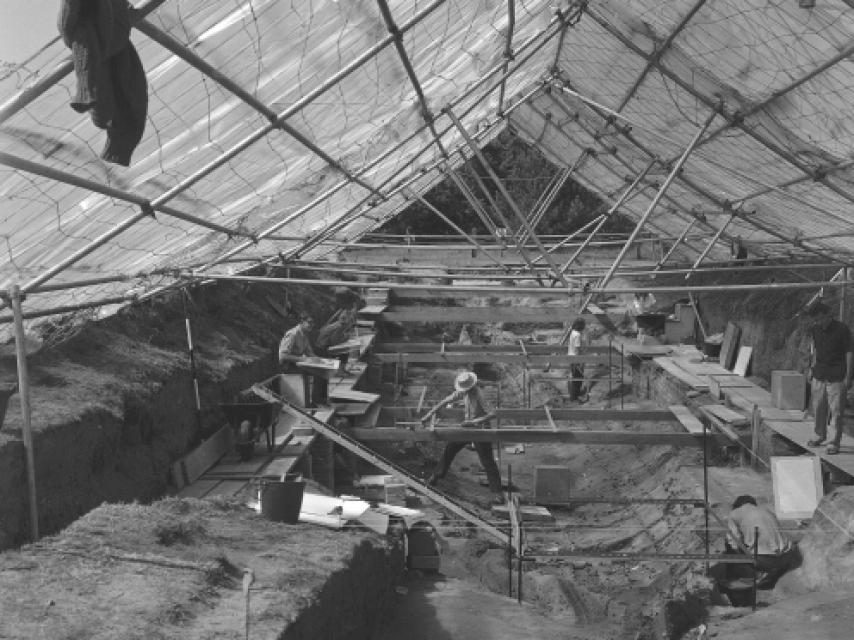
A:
x: 521, y: 434
x: 454, y: 359
x: 576, y: 415
x: 478, y: 314
x: 439, y: 347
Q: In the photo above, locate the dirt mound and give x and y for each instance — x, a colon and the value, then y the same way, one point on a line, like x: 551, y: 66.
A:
x: 828, y: 560
x: 175, y: 569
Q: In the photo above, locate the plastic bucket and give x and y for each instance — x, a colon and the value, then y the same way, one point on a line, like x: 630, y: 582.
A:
x: 281, y: 501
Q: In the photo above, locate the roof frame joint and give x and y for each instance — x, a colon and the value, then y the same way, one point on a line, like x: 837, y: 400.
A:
x: 572, y: 15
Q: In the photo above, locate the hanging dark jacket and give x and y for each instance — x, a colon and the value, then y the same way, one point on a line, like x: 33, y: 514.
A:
x: 111, y: 83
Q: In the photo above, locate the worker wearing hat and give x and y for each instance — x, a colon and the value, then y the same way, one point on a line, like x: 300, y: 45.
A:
x: 476, y: 414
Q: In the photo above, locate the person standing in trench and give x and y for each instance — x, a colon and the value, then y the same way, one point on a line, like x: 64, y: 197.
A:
x: 477, y: 414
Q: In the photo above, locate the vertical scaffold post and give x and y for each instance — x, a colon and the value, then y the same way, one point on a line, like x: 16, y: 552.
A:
x: 706, y: 491
x: 610, y: 372
x: 755, y: 563
x: 622, y: 371
x: 510, y: 545
x: 197, y: 396
x: 519, y: 559
x: 24, y: 390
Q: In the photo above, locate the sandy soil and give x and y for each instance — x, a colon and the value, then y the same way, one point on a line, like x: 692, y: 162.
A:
x: 175, y: 570
x: 113, y: 408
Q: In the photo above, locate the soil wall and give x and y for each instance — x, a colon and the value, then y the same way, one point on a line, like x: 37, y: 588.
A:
x: 113, y: 405
x: 772, y: 322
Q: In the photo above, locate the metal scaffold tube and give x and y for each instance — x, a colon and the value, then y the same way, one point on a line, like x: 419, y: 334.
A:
x: 24, y: 392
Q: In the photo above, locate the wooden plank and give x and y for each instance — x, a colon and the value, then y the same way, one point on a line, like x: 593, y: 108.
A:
x: 800, y: 432
x: 745, y: 397
x: 350, y: 408
x: 522, y: 434
x: 529, y: 513
x: 226, y: 488
x: 351, y: 345
x: 721, y: 427
x: 727, y: 415
x: 208, y: 453
x: 280, y: 466
x: 366, y: 341
x: 439, y: 347
x: 773, y: 413
x: 453, y: 359
x: 687, y: 419
x: 479, y: 314
x: 728, y: 380
x: 351, y: 395
x: 372, y: 310
x: 199, y: 489
x: 574, y: 414
x: 678, y: 372
x: 729, y: 346
x: 369, y: 420
x: 742, y: 362
x: 701, y: 368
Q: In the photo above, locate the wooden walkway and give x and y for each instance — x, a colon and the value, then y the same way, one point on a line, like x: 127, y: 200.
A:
x: 741, y: 396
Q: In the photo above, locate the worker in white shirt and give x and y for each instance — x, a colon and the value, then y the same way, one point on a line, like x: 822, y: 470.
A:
x: 576, y: 369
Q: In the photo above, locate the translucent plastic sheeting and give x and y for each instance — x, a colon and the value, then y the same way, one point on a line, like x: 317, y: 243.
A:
x: 780, y: 74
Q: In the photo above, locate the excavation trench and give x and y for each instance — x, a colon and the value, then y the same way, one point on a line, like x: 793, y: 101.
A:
x: 113, y: 407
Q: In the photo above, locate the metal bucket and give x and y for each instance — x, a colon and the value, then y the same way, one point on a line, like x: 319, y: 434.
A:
x: 281, y: 501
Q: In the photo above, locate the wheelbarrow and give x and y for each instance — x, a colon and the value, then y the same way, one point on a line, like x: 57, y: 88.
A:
x: 261, y: 416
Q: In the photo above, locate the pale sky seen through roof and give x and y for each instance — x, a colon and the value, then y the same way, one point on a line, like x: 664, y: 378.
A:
x: 25, y: 26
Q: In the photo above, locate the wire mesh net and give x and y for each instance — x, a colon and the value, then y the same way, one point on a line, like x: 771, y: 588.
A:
x: 340, y: 127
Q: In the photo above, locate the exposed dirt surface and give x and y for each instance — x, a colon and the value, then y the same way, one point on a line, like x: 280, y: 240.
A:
x: 175, y: 570
x: 113, y: 407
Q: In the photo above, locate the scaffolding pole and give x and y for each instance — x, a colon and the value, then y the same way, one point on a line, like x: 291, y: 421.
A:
x: 454, y: 226
x: 658, y: 196
x: 500, y: 185
x: 709, y: 246
x: 24, y: 391
x: 623, y: 197
x: 676, y: 244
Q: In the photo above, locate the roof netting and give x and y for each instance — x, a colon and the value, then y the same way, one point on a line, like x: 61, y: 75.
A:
x: 281, y: 128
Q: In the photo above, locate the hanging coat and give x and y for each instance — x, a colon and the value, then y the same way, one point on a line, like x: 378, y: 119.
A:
x: 111, y: 83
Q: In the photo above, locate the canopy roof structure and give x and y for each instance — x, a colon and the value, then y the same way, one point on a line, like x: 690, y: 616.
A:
x: 280, y: 130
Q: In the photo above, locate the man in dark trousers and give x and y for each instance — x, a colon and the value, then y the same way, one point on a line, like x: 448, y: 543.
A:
x: 754, y: 529
x: 832, y: 369
x: 476, y: 415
